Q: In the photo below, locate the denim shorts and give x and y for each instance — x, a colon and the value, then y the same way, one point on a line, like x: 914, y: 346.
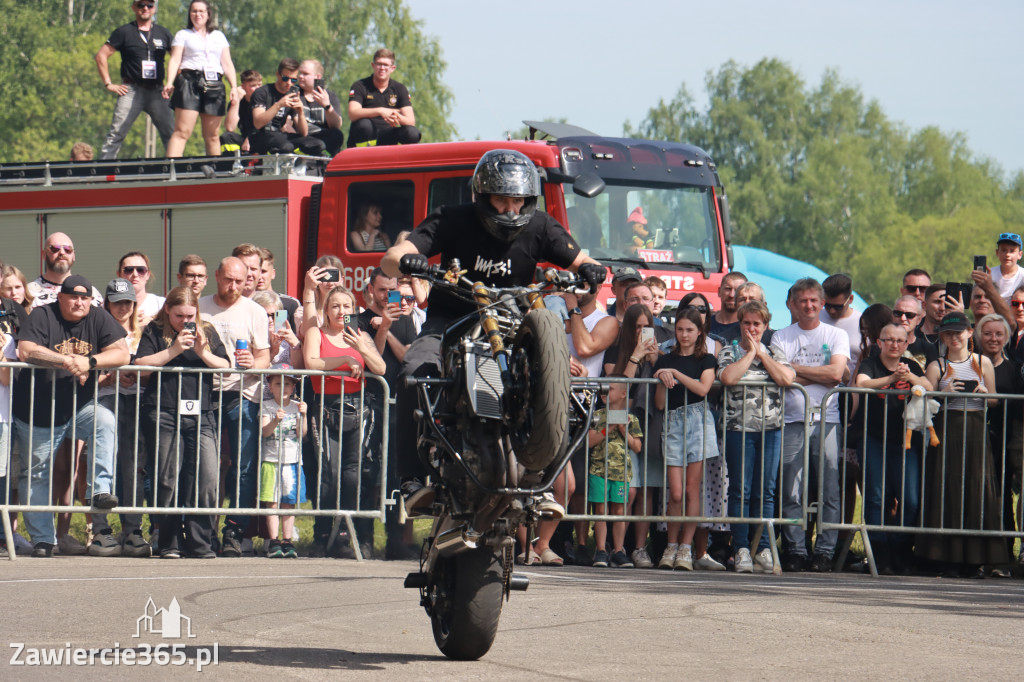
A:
x: 690, y: 435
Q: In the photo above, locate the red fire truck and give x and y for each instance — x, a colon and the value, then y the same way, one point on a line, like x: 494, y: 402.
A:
x: 655, y: 206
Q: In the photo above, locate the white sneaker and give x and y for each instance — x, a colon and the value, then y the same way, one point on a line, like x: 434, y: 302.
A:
x: 684, y: 559
x: 548, y: 507
x: 707, y: 563
x: 668, y: 559
x: 763, y: 561
x: 68, y: 545
x: 742, y: 562
x: 641, y: 559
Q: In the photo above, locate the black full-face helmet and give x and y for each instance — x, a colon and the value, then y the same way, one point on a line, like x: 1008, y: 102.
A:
x: 506, y: 173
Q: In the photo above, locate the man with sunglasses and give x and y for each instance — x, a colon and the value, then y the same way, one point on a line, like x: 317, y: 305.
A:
x: 837, y: 312
x: 273, y: 106
x: 143, y: 45
x: 380, y: 108
x: 906, y: 312
x: 915, y: 282
x: 59, y: 256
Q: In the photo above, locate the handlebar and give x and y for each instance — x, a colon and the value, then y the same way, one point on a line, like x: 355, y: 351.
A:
x: 453, y: 280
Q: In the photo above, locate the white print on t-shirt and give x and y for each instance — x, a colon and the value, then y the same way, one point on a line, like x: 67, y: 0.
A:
x: 489, y: 267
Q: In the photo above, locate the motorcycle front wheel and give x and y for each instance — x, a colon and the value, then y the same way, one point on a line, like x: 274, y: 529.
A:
x: 468, y: 595
x: 540, y: 407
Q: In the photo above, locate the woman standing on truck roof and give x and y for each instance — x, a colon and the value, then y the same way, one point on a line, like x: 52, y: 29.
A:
x: 200, y: 57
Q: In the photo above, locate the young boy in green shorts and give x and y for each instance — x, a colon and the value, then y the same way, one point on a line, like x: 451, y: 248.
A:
x: 281, y: 480
x: 610, y: 472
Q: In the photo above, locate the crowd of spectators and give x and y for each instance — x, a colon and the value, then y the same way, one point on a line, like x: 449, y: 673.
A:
x: 688, y: 446
x: 296, y: 113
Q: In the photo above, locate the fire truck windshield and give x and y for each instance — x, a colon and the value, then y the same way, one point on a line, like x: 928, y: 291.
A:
x: 664, y: 227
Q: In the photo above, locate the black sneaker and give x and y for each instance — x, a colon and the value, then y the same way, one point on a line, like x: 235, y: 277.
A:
x: 231, y: 545
x: 620, y: 560
x: 135, y: 545
x: 105, y: 543
x: 821, y: 563
x: 794, y: 563
x: 417, y: 497
x: 600, y: 559
x: 288, y: 550
x: 42, y: 550
x: 275, y: 550
x: 581, y: 557
x: 104, y: 500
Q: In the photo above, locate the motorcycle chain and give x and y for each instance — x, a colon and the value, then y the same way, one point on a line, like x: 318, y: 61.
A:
x: 508, y: 549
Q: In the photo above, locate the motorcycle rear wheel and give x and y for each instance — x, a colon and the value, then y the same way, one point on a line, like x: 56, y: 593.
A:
x: 540, y: 411
x: 469, y: 591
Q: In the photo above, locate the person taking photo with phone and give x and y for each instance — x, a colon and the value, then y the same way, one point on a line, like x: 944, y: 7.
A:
x: 321, y: 106
x: 274, y: 105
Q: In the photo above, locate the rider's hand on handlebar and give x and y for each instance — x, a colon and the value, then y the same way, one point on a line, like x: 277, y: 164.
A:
x: 413, y: 264
x: 594, y: 274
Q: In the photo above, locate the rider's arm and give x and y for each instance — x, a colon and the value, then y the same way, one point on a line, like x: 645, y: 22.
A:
x: 580, y: 259
x: 389, y: 264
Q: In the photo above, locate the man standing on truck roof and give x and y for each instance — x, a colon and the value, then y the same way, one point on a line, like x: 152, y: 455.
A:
x: 499, y: 239
x: 380, y: 108
x: 59, y: 256
x: 143, y: 44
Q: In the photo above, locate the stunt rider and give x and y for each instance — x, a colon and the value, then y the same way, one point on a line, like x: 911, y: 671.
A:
x: 499, y: 238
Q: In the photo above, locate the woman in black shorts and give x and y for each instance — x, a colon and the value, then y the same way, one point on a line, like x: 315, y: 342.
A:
x: 200, y: 57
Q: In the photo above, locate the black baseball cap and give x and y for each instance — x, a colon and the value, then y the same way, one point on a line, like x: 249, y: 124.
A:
x: 120, y: 290
x: 625, y: 274
x: 74, y: 283
x: 955, y: 321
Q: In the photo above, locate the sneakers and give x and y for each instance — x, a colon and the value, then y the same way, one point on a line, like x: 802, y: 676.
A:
x: 105, y: 543
x: 742, y: 562
x: 418, y: 497
x: 548, y: 507
x: 600, y: 559
x: 581, y: 557
x: 275, y: 551
x: 763, y: 562
x: 135, y: 545
x: 641, y: 559
x: 794, y: 563
x: 821, y: 563
x: 42, y: 550
x: 707, y: 563
x: 684, y: 559
x: 170, y: 553
x: 68, y: 545
x: 231, y: 545
x: 288, y: 550
x: 668, y: 558
x: 22, y: 547
x: 104, y: 500
x: 620, y: 560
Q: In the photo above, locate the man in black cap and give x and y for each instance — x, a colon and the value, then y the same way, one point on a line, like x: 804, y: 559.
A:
x: 621, y: 280
x: 71, y: 338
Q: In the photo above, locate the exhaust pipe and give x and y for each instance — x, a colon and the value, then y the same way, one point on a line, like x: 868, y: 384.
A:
x: 457, y: 540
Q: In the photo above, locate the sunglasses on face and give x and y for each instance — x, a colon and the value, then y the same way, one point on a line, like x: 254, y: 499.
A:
x: 57, y: 248
x: 129, y: 269
x: 916, y: 288
x: 834, y: 306
x: 408, y: 298
x: 286, y: 79
x: 702, y: 309
x: 1017, y: 304
x: 145, y: 5
x: 904, y: 313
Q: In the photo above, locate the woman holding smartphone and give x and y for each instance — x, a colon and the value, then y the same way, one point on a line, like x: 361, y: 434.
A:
x: 341, y: 417
x: 320, y: 279
x: 177, y: 337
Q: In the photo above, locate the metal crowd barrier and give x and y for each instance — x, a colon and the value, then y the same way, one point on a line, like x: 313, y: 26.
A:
x: 973, y: 497
x: 323, y: 489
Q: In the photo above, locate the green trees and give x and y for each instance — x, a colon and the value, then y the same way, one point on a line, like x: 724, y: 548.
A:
x: 47, y: 69
x: 822, y: 175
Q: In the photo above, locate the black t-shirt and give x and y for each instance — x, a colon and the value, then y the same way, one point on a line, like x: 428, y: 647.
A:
x: 404, y: 330
x: 245, y: 124
x: 456, y: 232
x: 316, y: 115
x: 922, y: 352
x: 880, y: 408
x: 395, y: 96
x: 129, y: 41
x: 1008, y: 380
x: 152, y: 341
x: 725, y: 332
x: 691, y: 366
x: 48, y: 328
x: 265, y: 97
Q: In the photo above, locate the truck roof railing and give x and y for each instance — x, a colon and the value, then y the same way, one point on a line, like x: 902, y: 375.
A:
x: 49, y: 173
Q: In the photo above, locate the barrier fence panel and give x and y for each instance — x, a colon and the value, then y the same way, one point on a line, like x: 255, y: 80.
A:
x: 661, y: 483
x: 167, y: 439
x: 941, y: 492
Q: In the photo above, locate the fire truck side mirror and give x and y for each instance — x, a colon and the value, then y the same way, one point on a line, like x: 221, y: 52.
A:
x: 588, y: 185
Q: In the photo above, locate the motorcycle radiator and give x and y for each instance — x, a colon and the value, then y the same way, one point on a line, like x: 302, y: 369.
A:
x: 483, y: 381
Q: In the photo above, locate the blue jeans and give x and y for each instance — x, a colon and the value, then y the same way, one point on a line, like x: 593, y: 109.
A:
x: 823, y: 463
x: 244, y: 446
x: 39, y: 455
x: 753, y: 465
x: 890, y: 471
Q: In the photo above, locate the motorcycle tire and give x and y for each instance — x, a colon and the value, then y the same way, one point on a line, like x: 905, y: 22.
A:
x: 539, y: 414
x: 465, y: 621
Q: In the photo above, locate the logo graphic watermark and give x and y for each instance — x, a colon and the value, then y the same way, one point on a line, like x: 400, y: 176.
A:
x: 168, y: 623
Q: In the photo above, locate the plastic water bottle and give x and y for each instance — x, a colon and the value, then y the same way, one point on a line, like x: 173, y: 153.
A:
x: 826, y: 353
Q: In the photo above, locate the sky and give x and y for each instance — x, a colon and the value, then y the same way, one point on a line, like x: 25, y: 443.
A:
x: 600, y: 63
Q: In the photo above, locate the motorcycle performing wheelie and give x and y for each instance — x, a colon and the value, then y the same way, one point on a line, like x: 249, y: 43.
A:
x: 486, y: 386
x: 496, y: 430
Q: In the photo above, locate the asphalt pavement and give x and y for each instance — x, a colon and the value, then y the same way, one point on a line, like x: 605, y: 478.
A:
x: 339, y: 619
